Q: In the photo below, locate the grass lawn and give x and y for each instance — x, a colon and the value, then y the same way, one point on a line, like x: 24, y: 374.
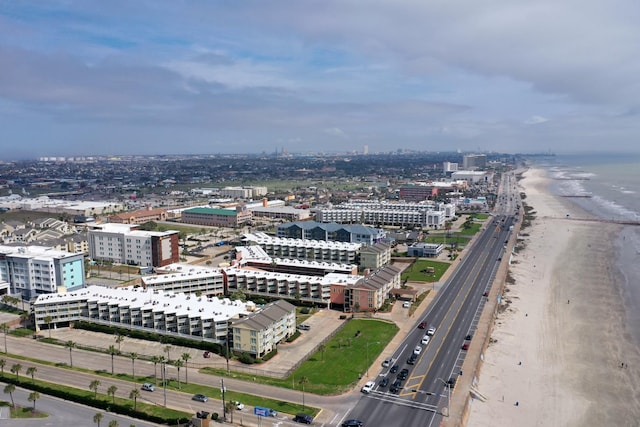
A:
x: 345, y: 358
x: 417, y: 272
x: 457, y: 238
x: 472, y: 229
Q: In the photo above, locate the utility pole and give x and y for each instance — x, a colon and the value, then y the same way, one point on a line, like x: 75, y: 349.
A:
x: 224, y: 406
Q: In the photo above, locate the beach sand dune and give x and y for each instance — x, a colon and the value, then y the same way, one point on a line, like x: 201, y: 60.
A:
x: 558, y: 346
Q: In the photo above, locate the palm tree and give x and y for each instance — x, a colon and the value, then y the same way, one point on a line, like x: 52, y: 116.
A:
x: 156, y: 360
x: 33, y: 396
x: 9, y: 389
x: 119, y: 339
x: 5, y: 331
x: 111, y: 391
x: 2, y: 365
x: 186, y: 357
x: 178, y: 364
x: 48, y: 320
x: 135, y: 393
x: 167, y: 349
x: 114, y: 423
x: 25, y: 318
x: 31, y: 370
x: 112, y: 350
x: 302, y: 382
x: 16, y: 368
x: 322, y: 349
x: 94, y: 387
x: 230, y: 406
x: 133, y: 357
x: 97, y: 418
x: 70, y: 345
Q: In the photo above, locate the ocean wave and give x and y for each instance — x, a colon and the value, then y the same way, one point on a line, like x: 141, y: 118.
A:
x: 618, y: 211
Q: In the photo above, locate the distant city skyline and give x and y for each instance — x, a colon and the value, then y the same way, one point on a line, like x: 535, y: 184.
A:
x: 164, y: 77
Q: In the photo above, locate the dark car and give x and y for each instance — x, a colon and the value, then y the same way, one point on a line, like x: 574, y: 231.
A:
x: 468, y: 337
x: 412, y: 359
x: 353, y: 423
x: 465, y: 346
x: 403, y: 374
x: 394, y: 369
x: 452, y: 381
x: 383, y: 383
x: 422, y: 325
x: 303, y: 418
x: 396, y: 386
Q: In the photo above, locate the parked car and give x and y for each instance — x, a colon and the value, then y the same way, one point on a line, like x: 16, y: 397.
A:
x: 425, y: 340
x: 465, y: 346
x: 368, y: 387
x: 422, y: 325
x: 394, y: 369
x: 406, y: 304
x: 352, y: 423
x: 304, y: 327
x: 148, y: 387
x: 384, y: 382
x: 206, y: 354
x: 468, y: 337
x: 239, y: 405
x: 200, y: 397
x: 303, y: 418
x: 452, y: 381
x: 431, y: 330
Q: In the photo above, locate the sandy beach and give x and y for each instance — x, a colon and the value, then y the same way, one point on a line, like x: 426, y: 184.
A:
x: 557, y: 348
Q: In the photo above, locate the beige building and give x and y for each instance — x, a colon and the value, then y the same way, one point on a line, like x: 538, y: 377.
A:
x: 260, y: 332
x: 375, y: 256
x: 217, y: 217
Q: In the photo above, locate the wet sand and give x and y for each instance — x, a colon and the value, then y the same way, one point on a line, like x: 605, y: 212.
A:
x: 557, y: 348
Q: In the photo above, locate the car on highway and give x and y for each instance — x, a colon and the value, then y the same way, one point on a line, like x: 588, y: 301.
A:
x: 425, y: 340
x: 368, y: 387
x: 200, y: 398
x: 383, y: 382
x: 386, y: 363
x: 239, y: 405
x: 422, y: 325
x: 431, y: 330
x: 353, y: 423
x: 417, y: 350
x: 396, y: 386
x: 394, y: 369
x: 412, y: 359
x: 148, y: 387
x: 303, y: 418
x: 402, y: 375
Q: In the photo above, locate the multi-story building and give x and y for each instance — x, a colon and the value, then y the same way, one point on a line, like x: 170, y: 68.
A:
x: 217, y: 217
x: 125, y: 244
x: 426, y: 217
x: 166, y: 313
x: 314, y: 250
x: 243, y: 192
x: 368, y: 293
x: 425, y: 250
x: 189, y: 279
x: 260, y: 332
x: 34, y: 270
x: 313, y: 230
x: 140, y: 216
x: 375, y: 256
x: 255, y: 257
x: 474, y: 161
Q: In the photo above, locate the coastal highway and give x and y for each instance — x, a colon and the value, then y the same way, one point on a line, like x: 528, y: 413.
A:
x: 423, y: 399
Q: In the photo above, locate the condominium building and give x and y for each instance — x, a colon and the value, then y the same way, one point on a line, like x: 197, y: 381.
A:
x: 375, y: 256
x: 260, y: 332
x: 30, y: 271
x: 314, y: 250
x: 313, y: 230
x: 125, y: 244
x: 390, y: 217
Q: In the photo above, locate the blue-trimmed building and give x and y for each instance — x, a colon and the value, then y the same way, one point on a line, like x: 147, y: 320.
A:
x: 331, y: 231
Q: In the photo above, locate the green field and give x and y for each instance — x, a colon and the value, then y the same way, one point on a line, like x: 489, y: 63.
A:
x: 417, y: 271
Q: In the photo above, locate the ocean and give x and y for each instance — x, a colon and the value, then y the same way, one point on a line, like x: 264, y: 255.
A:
x: 609, y: 188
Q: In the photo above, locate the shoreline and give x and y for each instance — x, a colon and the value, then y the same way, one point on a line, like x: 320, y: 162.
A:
x: 556, y: 349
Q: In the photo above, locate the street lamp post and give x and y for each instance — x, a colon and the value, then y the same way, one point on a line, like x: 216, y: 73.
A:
x: 375, y: 342
x: 448, y: 387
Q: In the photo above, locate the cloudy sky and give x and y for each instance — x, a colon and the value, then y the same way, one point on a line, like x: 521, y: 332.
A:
x: 181, y: 77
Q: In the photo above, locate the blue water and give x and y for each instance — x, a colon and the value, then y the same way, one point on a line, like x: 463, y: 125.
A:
x: 612, y: 186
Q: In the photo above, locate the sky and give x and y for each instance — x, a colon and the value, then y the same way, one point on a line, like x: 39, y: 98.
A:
x: 209, y: 77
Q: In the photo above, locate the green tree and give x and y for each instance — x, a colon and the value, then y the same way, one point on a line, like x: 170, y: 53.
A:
x: 113, y: 423
x: 3, y: 363
x: 31, y: 370
x: 135, y: 393
x: 5, y: 331
x: 322, y: 349
x: 70, y: 345
x: 167, y: 349
x: 230, y: 406
x: 112, y: 350
x: 97, y: 418
x: 186, y: 357
x: 16, y: 368
x: 111, y: 391
x: 48, y: 320
x: 33, y: 396
x: 93, y: 386
x: 156, y: 360
x: 119, y: 339
x: 133, y: 356
x: 303, y: 381
x: 178, y: 364
x: 9, y: 389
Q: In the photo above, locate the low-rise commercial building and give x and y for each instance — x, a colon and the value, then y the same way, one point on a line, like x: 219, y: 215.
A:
x: 232, y: 218
x: 425, y: 250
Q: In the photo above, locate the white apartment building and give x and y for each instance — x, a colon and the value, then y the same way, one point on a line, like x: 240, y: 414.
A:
x: 156, y: 311
x: 30, y: 271
x: 124, y: 244
x: 316, y: 250
x: 391, y: 217
x: 188, y: 279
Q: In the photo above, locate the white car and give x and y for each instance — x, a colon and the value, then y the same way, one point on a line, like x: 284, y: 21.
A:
x: 431, y: 331
x: 386, y: 363
x: 368, y: 387
x: 425, y: 340
x: 239, y: 405
x: 417, y: 350
x: 406, y: 304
